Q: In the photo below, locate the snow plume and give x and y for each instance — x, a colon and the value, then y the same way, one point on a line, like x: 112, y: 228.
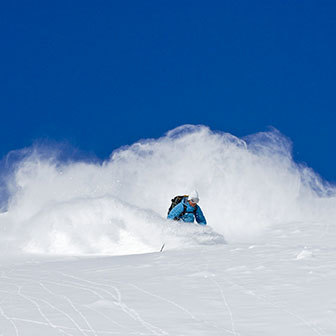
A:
x: 119, y: 206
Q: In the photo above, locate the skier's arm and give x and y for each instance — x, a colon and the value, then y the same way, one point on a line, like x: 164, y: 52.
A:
x: 200, y: 219
x: 176, y: 211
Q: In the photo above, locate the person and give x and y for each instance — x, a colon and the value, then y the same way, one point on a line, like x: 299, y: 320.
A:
x: 188, y: 209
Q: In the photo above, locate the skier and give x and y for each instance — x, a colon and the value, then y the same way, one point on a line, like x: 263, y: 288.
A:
x: 187, y: 209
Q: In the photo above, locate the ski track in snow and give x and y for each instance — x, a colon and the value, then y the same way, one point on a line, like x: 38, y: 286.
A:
x: 48, y: 322
x: 33, y: 300
x: 166, y: 300
x: 118, y: 301
x: 275, y: 305
x: 78, y: 286
x: 86, y: 288
x: 233, y: 327
x: 43, y: 315
x: 10, y: 320
x: 286, y: 310
x: 67, y: 315
x: 234, y: 332
x: 191, y: 315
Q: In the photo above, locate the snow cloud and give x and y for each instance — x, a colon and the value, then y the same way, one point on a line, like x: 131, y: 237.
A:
x: 119, y: 206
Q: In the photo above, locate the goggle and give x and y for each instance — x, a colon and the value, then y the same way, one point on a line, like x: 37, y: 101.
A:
x: 194, y: 200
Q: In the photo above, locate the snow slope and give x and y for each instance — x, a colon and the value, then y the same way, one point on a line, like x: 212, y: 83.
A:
x: 80, y: 241
x: 274, y: 287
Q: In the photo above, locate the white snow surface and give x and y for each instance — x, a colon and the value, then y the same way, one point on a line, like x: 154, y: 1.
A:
x: 80, y: 241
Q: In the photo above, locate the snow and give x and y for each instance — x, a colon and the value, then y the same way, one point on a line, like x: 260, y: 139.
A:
x: 224, y: 289
x: 80, y: 242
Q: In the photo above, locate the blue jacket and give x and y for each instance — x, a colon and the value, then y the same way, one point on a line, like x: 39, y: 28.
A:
x: 189, y: 215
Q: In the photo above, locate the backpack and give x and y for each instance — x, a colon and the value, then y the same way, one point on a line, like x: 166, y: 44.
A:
x: 176, y: 200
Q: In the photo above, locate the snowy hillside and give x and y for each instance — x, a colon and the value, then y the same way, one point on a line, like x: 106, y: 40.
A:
x: 275, y: 287
x: 80, y: 241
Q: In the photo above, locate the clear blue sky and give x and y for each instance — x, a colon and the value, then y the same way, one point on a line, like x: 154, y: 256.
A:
x: 101, y: 74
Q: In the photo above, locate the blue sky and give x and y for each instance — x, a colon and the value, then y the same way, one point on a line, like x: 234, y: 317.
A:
x: 102, y: 74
